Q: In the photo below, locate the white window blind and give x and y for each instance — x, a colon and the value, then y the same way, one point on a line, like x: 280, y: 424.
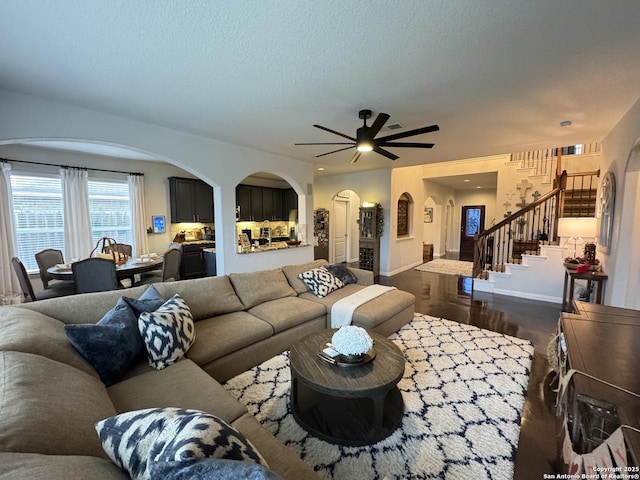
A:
x: 37, y: 202
x: 110, y: 210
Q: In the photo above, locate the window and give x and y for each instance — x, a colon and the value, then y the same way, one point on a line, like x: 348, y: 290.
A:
x: 37, y: 206
x: 404, y: 210
x: 110, y: 211
x: 38, y: 209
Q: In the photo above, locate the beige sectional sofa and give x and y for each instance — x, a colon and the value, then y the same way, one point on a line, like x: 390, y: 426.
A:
x: 51, y: 397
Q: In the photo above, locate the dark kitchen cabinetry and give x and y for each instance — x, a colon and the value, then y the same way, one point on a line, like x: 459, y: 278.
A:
x: 191, y: 200
x: 257, y: 204
x: 194, y: 262
x: 290, y: 199
x: 243, y: 202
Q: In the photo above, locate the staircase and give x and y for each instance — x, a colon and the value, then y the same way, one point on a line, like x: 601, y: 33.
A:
x: 537, y: 277
x: 580, y: 195
x: 520, y: 255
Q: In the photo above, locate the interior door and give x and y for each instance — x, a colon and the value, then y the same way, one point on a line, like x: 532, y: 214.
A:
x: 340, y: 231
x: 472, y: 222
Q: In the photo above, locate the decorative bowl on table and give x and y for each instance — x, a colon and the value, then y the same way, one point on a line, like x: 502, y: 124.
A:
x: 293, y: 243
x: 352, y: 342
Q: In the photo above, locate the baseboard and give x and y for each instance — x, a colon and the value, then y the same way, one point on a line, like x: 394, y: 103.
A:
x: 402, y: 269
x: 528, y: 295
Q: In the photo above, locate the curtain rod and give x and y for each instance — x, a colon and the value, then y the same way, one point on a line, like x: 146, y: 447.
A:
x: 70, y: 166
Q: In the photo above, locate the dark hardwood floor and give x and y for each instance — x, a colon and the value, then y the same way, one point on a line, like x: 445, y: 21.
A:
x: 449, y: 296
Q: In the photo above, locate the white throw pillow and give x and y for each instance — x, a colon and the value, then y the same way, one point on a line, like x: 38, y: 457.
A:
x: 321, y: 281
x: 135, y: 440
x: 167, y: 333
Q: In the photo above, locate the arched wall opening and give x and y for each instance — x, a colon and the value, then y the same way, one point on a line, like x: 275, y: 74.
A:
x: 629, y: 270
x: 267, y: 207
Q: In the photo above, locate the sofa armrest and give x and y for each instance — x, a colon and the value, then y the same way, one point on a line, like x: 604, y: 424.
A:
x: 365, y: 277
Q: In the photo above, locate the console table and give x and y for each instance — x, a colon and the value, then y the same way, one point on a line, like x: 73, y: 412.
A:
x: 602, y: 341
x: 570, y: 277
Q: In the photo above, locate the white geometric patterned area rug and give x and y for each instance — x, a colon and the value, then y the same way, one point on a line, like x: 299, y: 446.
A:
x: 463, y: 390
x: 450, y: 267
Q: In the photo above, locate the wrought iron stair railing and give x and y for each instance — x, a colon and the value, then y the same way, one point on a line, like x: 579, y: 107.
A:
x: 522, y: 232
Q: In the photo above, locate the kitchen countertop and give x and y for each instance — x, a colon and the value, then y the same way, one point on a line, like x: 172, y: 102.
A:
x: 272, y: 248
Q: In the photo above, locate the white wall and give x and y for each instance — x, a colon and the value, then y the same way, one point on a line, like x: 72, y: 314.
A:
x: 220, y: 164
x: 406, y: 252
x: 438, y: 197
x: 370, y: 186
x: 622, y: 264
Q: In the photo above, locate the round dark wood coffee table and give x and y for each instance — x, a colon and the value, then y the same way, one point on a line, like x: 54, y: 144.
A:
x: 350, y: 406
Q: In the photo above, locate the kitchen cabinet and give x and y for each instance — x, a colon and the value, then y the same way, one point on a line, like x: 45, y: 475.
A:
x: 257, y: 204
x: 191, y: 200
x: 290, y: 202
x: 194, y: 260
x: 243, y: 202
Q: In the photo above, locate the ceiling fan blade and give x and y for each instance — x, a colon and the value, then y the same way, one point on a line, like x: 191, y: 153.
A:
x: 375, y: 127
x: 356, y: 156
x: 334, y: 132
x: 410, y: 133
x: 389, y: 155
x: 406, y: 144
x: 327, y: 143
x: 335, y: 151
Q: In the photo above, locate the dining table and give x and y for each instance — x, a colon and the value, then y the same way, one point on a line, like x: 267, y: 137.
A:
x: 128, y: 270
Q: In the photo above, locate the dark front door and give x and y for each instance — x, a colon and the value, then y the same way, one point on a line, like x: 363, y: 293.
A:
x: 472, y: 222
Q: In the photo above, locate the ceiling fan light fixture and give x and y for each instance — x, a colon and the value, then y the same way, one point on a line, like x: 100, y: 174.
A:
x: 364, y: 147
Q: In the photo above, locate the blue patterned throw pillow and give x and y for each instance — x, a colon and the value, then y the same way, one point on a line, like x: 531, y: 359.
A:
x: 321, y: 281
x: 112, y: 345
x: 167, y: 333
x: 136, y: 440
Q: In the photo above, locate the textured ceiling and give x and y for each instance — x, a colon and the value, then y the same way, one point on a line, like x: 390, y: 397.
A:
x: 497, y: 76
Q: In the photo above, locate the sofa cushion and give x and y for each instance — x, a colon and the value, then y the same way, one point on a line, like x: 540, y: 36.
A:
x: 285, y: 313
x: 133, y: 440
x: 206, y: 297
x: 167, y: 333
x: 370, y: 314
x: 35, y: 466
x: 23, y: 330
x: 254, y: 288
x: 49, y: 407
x: 84, y: 308
x: 292, y: 272
x: 221, y: 335
x: 183, y: 385
x: 321, y: 281
x: 112, y: 345
x: 199, y: 468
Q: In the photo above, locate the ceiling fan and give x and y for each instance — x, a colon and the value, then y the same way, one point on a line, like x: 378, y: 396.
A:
x: 365, y: 140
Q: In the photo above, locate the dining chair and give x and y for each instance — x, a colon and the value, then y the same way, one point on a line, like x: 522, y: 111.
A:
x: 27, y: 288
x: 171, y: 265
x: 122, y: 248
x: 170, y: 268
x: 95, y: 275
x: 45, y: 259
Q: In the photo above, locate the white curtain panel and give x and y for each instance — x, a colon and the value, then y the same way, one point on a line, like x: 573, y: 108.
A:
x: 138, y: 215
x: 77, y: 220
x: 10, y: 292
